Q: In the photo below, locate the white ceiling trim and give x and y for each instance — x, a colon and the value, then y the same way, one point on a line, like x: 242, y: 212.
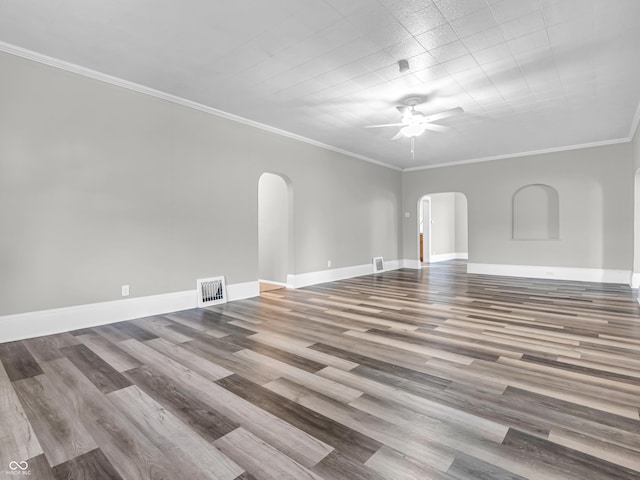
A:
x: 103, y: 77
x: 86, y: 72
x: 522, y: 154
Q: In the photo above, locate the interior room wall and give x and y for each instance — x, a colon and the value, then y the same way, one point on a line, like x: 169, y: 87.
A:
x: 273, y: 228
x: 635, y: 149
x: 443, y: 223
x: 635, y: 152
x: 102, y: 186
x: 596, y: 198
x: 536, y: 213
x: 462, y: 240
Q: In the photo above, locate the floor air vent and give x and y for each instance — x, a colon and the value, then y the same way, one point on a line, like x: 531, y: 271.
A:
x: 211, y: 291
x: 378, y: 265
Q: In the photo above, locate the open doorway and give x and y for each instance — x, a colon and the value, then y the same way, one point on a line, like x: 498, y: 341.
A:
x: 275, y: 242
x: 425, y: 230
x: 443, y: 227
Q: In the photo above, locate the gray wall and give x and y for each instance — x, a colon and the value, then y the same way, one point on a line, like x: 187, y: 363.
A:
x: 443, y: 223
x: 596, y: 216
x: 101, y: 186
x: 462, y: 241
x: 635, y: 148
x: 536, y: 213
x: 273, y: 228
x: 635, y: 152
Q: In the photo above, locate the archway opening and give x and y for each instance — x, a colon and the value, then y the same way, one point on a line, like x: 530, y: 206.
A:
x: 443, y: 227
x: 275, y: 232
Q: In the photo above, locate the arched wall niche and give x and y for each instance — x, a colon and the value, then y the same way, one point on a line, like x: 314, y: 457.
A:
x: 536, y: 213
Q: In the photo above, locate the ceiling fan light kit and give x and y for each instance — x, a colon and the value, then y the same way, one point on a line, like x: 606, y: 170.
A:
x: 413, y: 130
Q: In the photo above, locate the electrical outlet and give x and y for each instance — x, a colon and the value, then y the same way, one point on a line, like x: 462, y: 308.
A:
x: 125, y: 290
x: 329, y: 263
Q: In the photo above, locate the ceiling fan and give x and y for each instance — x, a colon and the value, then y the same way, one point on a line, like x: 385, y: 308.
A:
x: 415, y: 123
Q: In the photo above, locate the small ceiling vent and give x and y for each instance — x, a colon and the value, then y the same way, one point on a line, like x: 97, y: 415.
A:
x: 211, y: 291
x: 378, y: 265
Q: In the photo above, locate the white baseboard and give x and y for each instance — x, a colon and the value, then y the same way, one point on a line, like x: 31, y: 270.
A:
x: 443, y: 257
x: 323, y: 276
x: 59, y: 320
x: 392, y: 265
x: 240, y: 291
x: 557, y: 273
x: 313, y: 278
x: 411, y: 263
x: 635, y: 280
x: 273, y: 282
x: 291, y: 278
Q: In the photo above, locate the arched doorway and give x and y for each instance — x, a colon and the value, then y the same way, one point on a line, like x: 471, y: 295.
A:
x: 442, y: 227
x: 275, y: 231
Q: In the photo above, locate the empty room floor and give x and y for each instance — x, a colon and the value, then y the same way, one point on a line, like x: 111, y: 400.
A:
x: 431, y: 374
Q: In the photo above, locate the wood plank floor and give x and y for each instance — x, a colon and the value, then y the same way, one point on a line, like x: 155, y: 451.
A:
x: 424, y: 375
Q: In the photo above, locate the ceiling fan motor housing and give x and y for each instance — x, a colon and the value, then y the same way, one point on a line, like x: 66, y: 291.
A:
x: 412, y: 101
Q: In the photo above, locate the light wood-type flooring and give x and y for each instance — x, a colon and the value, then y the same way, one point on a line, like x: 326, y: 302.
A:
x: 431, y: 374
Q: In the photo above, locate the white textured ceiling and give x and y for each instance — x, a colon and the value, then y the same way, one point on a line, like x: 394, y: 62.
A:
x: 531, y: 75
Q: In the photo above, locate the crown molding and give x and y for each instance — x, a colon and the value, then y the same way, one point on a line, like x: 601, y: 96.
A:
x: 103, y: 77
x: 522, y: 154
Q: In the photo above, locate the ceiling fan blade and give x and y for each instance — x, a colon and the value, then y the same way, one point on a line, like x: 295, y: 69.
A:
x: 397, y: 136
x: 435, y: 128
x: 445, y: 114
x: 386, y: 125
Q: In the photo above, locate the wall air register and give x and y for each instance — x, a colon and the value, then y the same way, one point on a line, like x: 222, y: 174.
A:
x: 211, y: 291
x: 378, y: 265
